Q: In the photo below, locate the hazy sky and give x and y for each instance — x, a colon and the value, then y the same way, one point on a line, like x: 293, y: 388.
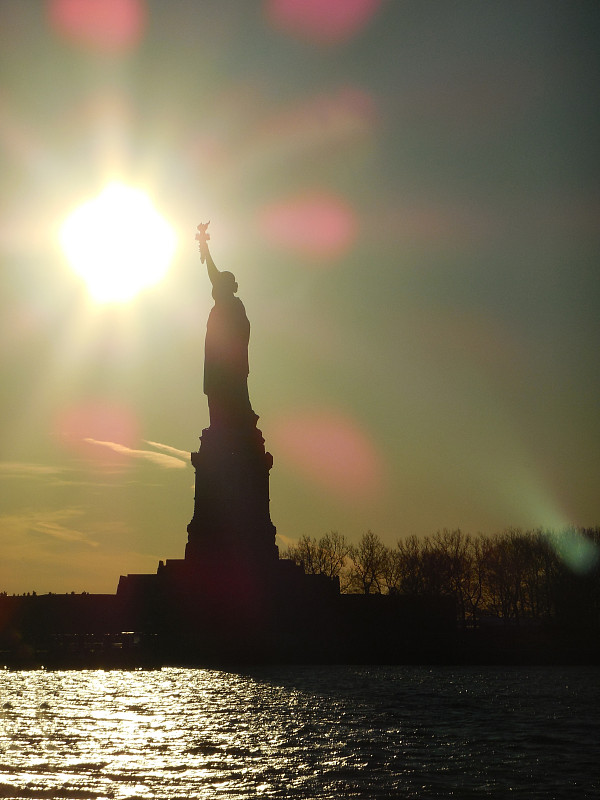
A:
x: 408, y: 195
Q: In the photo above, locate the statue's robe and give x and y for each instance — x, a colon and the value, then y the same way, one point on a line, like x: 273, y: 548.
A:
x: 226, y: 362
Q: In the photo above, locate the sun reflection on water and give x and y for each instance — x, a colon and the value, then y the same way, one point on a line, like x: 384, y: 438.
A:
x: 313, y: 732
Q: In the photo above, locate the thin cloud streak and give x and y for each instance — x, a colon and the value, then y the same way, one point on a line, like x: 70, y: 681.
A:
x: 52, y: 524
x: 184, y: 454
x: 288, y: 541
x: 18, y: 469
x: 160, y: 459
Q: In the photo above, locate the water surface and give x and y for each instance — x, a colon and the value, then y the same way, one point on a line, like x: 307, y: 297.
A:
x: 301, y: 732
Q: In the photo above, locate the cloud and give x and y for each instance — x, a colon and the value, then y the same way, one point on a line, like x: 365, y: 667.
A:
x: 184, y: 454
x: 54, y: 525
x: 160, y: 459
x: 287, y: 541
x: 327, y: 23
x: 17, y: 469
x: 47, y: 551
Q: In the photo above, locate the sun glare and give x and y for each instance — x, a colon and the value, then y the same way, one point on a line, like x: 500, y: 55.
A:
x: 118, y: 243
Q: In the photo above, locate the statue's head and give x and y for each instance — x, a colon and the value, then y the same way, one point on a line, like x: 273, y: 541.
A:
x: 225, y: 285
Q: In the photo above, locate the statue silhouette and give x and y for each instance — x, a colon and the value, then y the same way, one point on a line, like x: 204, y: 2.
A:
x: 226, y: 348
x: 231, y: 522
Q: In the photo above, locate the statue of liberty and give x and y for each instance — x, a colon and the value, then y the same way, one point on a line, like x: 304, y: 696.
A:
x: 226, y: 348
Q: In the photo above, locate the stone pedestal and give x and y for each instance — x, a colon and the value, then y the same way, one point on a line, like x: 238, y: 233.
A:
x: 232, y: 522
x: 231, y: 599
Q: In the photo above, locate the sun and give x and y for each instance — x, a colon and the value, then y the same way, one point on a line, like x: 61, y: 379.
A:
x: 118, y: 243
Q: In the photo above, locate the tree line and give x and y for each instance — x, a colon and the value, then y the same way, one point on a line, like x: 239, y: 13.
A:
x: 511, y: 576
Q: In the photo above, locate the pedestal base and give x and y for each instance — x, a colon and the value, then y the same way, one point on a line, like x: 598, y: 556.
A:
x: 231, y: 521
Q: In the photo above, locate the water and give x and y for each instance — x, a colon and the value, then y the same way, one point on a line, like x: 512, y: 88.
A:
x: 301, y: 732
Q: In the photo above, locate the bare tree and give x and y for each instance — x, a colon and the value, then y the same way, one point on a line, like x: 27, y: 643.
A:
x: 304, y: 553
x: 539, y: 564
x: 576, y: 581
x: 392, y: 571
x: 503, y: 569
x: 334, y: 551
x: 410, y: 566
x: 474, y: 584
x: 514, y: 574
x: 326, y: 556
x: 369, y: 565
x: 454, y: 560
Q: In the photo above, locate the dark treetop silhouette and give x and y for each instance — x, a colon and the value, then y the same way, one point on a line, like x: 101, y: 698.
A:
x: 226, y: 349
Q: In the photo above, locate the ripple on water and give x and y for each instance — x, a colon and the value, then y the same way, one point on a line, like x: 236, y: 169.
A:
x: 299, y: 732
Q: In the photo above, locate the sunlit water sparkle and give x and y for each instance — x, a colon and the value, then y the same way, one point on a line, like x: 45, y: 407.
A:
x: 301, y: 732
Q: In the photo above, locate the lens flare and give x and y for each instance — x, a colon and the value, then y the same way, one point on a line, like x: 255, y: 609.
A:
x: 118, y: 243
x: 99, y: 24
x: 331, y: 451
x: 95, y: 420
x: 319, y: 226
x: 321, y: 21
x: 576, y: 550
x: 328, y: 125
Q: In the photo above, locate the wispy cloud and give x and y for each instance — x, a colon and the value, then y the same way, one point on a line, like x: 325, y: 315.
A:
x: 166, y: 448
x: 160, y: 459
x: 67, y: 549
x: 18, y: 469
x: 287, y: 541
x: 56, y: 525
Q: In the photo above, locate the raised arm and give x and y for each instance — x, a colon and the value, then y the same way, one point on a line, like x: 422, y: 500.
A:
x: 202, y: 238
x: 213, y: 272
